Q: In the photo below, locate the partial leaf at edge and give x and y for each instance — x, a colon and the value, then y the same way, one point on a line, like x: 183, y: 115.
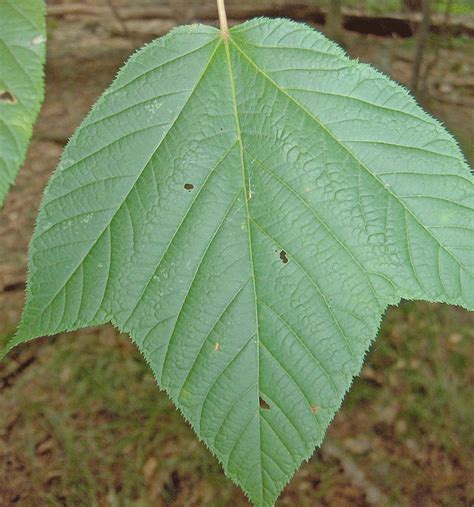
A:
x: 22, y: 55
x: 246, y: 210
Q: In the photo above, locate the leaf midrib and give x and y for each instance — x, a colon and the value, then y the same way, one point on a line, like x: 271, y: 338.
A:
x: 252, y: 266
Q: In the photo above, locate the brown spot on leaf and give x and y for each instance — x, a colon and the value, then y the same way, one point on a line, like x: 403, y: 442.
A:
x: 263, y: 404
x: 189, y: 186
x: 7, y: 98
x: 283, y: 257
x: 314, y: 409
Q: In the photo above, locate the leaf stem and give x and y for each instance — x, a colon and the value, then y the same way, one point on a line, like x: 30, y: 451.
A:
x: 223, y: 19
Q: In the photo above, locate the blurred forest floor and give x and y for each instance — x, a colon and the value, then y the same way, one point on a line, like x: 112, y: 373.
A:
x: 81, y: 420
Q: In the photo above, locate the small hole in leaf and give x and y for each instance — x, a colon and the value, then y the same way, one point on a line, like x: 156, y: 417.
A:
x: 188, y: 186
x: 283, y: 257
x: 263, y: 404
x: 7, y: 98
x: 217, y: 347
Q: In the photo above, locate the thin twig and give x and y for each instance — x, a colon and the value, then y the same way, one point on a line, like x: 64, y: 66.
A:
x: 422, y: 40
x: 443, y: 34
x: 356, y: 475
x: 118, y: 17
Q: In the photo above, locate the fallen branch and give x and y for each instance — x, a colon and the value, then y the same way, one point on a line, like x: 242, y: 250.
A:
x: 456, y: 82
x: 15, y: 367
x: 451, y: 102
x: 402, y: 25
x: 354, y: 473
x: 64, y: 10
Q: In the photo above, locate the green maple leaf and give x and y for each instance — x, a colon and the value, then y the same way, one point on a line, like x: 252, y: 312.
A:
x: 22, y: 55
x: 246, y: 209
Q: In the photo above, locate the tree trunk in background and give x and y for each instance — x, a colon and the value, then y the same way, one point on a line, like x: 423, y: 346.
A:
x: 335, y: 21
x: 421, y: 43
x: 413, y: 5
